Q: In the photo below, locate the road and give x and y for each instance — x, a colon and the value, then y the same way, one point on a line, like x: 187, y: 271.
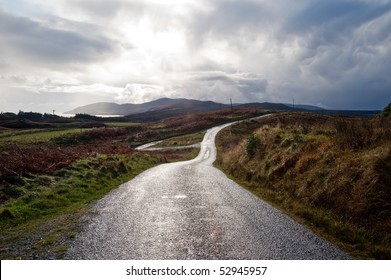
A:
x: 191, y: 210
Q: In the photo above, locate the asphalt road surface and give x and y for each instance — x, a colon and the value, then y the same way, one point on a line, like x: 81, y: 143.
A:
x: 191, y: 210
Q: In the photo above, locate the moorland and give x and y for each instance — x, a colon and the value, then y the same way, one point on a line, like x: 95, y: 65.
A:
x: 328, y: 171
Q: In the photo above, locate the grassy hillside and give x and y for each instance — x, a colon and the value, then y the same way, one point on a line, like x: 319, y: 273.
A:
x: 333, y: 174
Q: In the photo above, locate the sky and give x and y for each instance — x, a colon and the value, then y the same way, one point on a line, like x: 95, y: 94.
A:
x: 57, y: 55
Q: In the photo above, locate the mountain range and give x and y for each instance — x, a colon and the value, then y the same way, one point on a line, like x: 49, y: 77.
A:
x: 166, y: 107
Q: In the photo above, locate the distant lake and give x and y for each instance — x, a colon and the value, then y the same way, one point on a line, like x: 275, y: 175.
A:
x: 102, y: 116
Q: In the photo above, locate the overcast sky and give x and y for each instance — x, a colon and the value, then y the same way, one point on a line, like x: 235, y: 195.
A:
x: 66, y: 53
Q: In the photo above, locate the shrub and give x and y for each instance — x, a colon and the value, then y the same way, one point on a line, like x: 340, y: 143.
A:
x: 387, y: 110
x: 253, y: 143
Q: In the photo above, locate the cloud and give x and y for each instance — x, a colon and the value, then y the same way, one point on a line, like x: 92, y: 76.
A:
x: 14, y: 99
x: 351, y: 61
x: 331, y: 53
x: 139, y: 93
x: 220, y: 86
x: 337, y: 16
x: 46, y: 46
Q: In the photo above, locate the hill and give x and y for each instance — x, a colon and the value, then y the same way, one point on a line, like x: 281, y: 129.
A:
x: 263, y: 106
x: 306, y: 107
x: 166, y: 107
x: 330, y: 173
x: 106, y: 108
x: 182, y: 108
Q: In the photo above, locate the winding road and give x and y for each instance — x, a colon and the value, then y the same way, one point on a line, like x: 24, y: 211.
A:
x: 191, y: 210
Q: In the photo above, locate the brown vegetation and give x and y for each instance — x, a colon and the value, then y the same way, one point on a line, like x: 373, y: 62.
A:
x: 333, y: 173
x: 36, y: 158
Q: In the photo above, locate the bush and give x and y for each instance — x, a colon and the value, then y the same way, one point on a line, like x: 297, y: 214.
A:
x: 387, y: 110
x: 253, y: 143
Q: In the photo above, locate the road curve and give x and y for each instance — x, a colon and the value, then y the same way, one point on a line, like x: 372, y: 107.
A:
x: 191, y: 210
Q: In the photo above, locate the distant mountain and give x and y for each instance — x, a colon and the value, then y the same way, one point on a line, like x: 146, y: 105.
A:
x: 264, y: 106
x: 106, y: 108
x: 166, y: 107
x: 178, y: 109
x: 306, y: 107
x: 102, y: 108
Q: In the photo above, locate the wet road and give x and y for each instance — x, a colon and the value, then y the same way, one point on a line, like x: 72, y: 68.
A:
x: 191, y: 210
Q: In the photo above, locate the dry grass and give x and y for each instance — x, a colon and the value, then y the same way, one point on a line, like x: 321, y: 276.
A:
x: 332, y: 173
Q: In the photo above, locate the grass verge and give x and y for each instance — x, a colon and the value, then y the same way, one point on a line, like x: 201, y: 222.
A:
x: 184, y: 140
x: 329, y: 173
x: 43, y: 215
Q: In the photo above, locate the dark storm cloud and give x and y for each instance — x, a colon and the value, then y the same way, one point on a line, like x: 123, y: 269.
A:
x: 348, y: 48
x: 326, y: 23
x: 45, y: 45
x: 345, y: 53
x: 240, y: 79
x: 220, y: 86
x: 339, y: 14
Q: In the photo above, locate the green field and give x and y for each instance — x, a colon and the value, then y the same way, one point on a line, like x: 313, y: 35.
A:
x: 183, y: 140
x: 120, y: 124
x: 35, y: 135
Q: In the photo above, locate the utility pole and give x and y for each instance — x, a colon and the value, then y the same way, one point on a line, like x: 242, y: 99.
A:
x: 54, y: 112
x: 293, y: 103
x: 230, y: 101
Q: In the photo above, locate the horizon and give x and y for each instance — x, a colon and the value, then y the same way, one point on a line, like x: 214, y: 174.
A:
x: 59, y: 56
x: 65, y: 114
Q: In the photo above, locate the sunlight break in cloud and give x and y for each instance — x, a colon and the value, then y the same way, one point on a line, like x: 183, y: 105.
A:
x: 139, y: 93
